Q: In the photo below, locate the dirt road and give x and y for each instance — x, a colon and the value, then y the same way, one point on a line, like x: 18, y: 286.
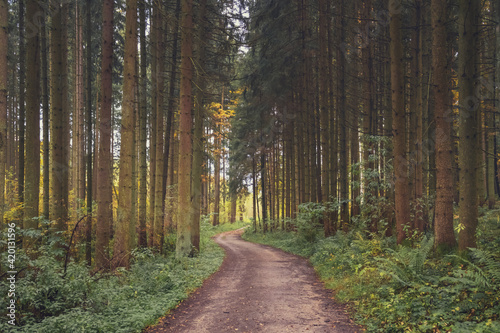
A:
x: 258, y: 289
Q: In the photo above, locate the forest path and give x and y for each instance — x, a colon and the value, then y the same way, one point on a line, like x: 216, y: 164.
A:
x: 258, y: 289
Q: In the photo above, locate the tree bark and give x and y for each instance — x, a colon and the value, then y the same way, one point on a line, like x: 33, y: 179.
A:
x: 324, y: 111
x: 402, y: 201
x: 59, y: 115
x: 159, y: 53
x: 22, y: 106
x: 443, y: 224
x: 143, y: 118
x: 121, y: 250
x: 342, y: 112
x: 184, y: 227
x: 198, y: 145
x: 104, y: 178
x: 46, y: 121
x: 469, y: 105
x: 32, y: 178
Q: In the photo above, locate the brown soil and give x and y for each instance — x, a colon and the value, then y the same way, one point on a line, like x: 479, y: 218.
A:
x: 258, y: 289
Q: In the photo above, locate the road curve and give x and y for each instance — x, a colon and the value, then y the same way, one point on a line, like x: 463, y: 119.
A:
x: 258, y: 289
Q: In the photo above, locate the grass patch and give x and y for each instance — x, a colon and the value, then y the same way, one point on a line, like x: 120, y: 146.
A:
x: 125, y: 301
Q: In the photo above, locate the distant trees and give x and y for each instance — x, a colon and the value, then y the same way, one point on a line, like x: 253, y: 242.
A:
x: 366, y: 129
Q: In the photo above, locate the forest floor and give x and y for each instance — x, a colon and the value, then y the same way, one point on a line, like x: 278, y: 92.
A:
x: 258, y: 289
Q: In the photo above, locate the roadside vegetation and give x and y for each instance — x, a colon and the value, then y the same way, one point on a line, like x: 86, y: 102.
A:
x: 53, y: 299
x: 397, y: 288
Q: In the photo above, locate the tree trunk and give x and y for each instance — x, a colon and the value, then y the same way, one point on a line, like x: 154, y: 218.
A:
x: 153, y: 130
x: 104, y: 178
x: 59, y: 163
x: 22, y: 106
x: 196, y: 187
x: 159, y: 53
x: 324, y: 111
x: 184, y: 230
x: 32, y: 180
x: 342, y: 109
x: 46, y: 123
x: 217, y: 157
x: 143, y: 118
x: 402, y: 201
x: 443, y: 224
x: 468, y: 122
x: 417, y: 146
x: 171, y: 103
x: 121, y: 250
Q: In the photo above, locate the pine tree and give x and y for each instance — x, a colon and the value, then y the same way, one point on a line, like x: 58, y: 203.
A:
x: 104, y: 177
x: 184, y: 230
x: 121, y: 250
x: 32, y: 179
x: 399, y: 125
x: 443, y: 224
x: 59, y: 211
x: 468, y: 121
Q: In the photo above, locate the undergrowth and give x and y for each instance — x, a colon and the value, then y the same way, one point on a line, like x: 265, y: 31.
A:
x: 394, y: 288
x: 125, y: 301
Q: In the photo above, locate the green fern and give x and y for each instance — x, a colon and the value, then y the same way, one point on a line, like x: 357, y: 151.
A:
x: 491, y: 265
x: 407, y: 264
x: 484, y: 274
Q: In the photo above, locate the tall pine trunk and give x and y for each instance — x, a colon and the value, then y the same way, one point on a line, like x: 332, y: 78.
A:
x: 22, y: 106
x: 342, y: 112
x: 88, y: 227
x: 121, y: 250
x: 32, y: 180
x: 196, y: 183
x: 46, y: 121
x: 159, y: 53
x: 324, y: 111
x: 402, y: 201
x: 468, y: 121
x: 143, y: 117
x: 104, y: 193
x: 58, y: 92
x: 443, y: 224
x: 184, y: 226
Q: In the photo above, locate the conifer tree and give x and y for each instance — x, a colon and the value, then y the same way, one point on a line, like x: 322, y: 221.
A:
x: 121, y: 249
x: 184, y: 229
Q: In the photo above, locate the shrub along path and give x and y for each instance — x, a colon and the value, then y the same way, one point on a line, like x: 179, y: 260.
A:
x: 258, y: 289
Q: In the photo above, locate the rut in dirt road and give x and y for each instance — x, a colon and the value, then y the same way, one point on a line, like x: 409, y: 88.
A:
x: 258, y: 289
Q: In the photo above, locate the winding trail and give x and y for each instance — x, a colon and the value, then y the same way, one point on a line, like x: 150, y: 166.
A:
x: 258, y: 289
